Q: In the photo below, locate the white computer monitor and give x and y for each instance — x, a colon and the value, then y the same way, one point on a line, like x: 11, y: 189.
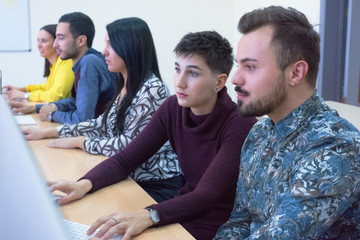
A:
x: 27, y: 210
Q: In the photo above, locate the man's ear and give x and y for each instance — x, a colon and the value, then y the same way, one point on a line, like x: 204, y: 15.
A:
x: 221, y: 81
x: 81, y: 40
x: 298, y: 72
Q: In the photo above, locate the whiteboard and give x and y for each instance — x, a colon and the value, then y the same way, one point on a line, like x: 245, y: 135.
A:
x: 14, y: 26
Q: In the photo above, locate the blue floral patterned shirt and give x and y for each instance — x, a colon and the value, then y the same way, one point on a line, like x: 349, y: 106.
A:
x: 299, y: 178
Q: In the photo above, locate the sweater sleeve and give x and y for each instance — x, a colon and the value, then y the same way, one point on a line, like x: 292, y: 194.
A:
x: 119, y: 166
x: 35, y: 87
x: 58, y: 84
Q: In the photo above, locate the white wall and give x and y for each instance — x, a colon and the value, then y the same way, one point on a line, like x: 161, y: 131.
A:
x: 168, y: 20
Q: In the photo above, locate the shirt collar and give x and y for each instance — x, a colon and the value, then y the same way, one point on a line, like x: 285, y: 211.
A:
x: 77, y: 64
x: 297, y: 117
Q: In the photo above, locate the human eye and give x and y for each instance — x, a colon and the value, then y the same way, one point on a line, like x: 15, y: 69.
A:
x: 250, y: 67
x: 193, y: 74
x: 110, y: 48
x: 177, y: 69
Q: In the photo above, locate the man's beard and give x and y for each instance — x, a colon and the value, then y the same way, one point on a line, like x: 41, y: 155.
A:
x: 71, y: 53
x: 265, y: 104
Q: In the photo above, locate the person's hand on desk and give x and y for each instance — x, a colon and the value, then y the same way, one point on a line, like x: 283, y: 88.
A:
x: 127, y: 224
x: 19, y: 107
x: 9, y: 88
x: 15, y: 93
x: 69, y: 142
x: 73, y: 190
x: 39, y: 133
x: 46, y: 110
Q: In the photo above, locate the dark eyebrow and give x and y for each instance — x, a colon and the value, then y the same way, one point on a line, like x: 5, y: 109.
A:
x: 189, y: 66
x: 60, y: 35
x: 247, y: 60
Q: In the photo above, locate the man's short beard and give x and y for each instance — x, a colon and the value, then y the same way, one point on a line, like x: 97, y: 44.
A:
x: 266, y: 104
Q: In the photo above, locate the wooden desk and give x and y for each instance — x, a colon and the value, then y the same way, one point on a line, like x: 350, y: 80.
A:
x: 349, y: 112
x: 71, y: 164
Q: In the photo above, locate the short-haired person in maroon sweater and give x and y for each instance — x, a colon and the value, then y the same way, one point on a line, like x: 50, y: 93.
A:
x: 206, y: 132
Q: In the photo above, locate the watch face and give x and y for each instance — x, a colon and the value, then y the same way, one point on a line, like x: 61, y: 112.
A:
x: 154, y: 216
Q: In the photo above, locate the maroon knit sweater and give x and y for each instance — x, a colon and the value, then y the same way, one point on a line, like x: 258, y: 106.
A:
x: 208, y: 149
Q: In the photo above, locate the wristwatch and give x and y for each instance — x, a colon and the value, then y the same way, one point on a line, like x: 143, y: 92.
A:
x: 50, y: 116
x: 154, y: 215
x: 27, y: 95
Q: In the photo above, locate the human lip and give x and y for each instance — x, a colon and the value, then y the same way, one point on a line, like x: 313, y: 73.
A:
x: 241, y: 93
x: 107, y: 61
x: 181, y: 95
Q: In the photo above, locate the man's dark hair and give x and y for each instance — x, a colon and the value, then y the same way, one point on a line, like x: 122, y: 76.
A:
x: 80, y: 24
x: 216, y: 50
x: 294, y: 38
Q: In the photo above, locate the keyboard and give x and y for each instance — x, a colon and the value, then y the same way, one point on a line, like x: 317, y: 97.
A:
x: 77, y: 231
x: 25, y: 120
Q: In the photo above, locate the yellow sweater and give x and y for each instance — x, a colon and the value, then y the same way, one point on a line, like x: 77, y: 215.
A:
x: 58, y: 84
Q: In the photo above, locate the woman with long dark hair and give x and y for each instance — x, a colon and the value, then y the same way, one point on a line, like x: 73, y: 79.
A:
x: 130, y: 52
x: 58, y: 73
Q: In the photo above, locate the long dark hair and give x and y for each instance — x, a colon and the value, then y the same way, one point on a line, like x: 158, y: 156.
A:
x: 132, y: 40
x: 51, y: 29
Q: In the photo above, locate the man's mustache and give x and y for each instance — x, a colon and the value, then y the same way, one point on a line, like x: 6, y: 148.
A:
x: 242, y: 91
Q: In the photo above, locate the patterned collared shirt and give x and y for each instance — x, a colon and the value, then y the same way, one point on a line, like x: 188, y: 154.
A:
x: 299, y: 178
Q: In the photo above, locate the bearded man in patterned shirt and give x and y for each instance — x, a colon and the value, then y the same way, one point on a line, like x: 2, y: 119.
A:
x: 300, y: 167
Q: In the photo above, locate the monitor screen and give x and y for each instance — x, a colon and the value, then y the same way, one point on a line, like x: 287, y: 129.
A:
x: 27, y: 210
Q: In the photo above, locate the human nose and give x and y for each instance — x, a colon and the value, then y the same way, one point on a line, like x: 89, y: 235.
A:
x: 104, y: 52
x: 238, y: 78
x: 55, y: 44
x: 179, y: 80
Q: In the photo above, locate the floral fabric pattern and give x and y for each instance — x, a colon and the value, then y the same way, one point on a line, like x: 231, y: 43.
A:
x: 299, y: 178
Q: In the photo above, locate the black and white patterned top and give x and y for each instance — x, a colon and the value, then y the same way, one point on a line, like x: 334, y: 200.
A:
x: 104, y: 138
